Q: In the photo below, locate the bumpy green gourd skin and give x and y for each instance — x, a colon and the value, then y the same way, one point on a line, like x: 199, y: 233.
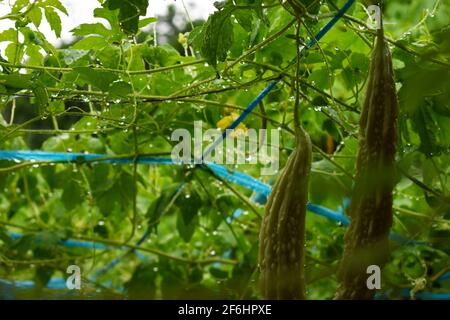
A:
x: 282, y: 235
x: 366, y: 241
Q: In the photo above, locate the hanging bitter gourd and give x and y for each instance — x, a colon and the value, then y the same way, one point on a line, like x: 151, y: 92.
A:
x: 282, y: 235
x: 366, y: 241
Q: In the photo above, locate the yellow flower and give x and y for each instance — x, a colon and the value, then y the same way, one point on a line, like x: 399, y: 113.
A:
x: 226, y: 121
x: 183, y: 40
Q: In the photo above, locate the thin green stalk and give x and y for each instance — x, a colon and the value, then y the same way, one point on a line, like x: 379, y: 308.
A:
x: 260, y: 45
x: 131, y: 72
x: 120, y: 244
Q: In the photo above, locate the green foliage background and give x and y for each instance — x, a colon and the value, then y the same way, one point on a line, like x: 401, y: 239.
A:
x: 117, y: 90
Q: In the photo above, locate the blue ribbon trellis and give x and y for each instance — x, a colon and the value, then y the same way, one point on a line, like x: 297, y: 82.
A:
x: 262, y: 190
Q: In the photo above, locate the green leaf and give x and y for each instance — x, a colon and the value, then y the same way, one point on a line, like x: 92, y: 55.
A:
x: 5, y: 237
x: 129, y: 12
x: 72, y: 55
x: 244, y: 270
x: 217, y: 37
x: 320, y: 78
x: 42, y: 276
x: 35, y: 15
x: 45, y: 244
x: 34, y: 55
x: 102, y: 231
x: 195, y: 275
x: 110, y: 16
x: 14, y: 52
x: 41, y: 97
x: 189, y: 203
x: 420, y: 80
x: 441, y: 104
x: 16, y: 82
x: 145, y: 22
x: 126, y: 184
x: 120, y: 89
x: 257, y: 7
x: 160, y: 206
x: 54, y: 20
x: 164, y: 55
x: 99, y: 179
x: 110, y: 57
x: 218, y: 273
x: 19, y: 5
x: 72, y: 195
x: 56, y: 106
x: 244, y: 17
x: 96, y: 77
x: 142, y: 284
x: 91, y: 43
x: 31, y: 37
x: 108, y: 200
x: 195, y: 37
x: 8, y: 35
x: 57, y: 5
x: 91, y: 28
x: 186, y: 230
x: 425, y: 126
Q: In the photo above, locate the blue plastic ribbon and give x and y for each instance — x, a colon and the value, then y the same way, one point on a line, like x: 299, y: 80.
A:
x: 406, y: 293
x: 58, y: 157
x: 236, y: 177
x: 70, y: 243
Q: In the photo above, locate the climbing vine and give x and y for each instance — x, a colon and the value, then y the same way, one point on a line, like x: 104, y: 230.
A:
x: 85, y: 135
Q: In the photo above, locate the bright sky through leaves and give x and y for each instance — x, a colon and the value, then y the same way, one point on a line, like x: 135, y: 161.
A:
x: 82, y: 12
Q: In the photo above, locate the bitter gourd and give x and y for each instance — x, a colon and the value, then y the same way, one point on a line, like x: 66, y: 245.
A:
x: 366, y: 241
x: 282, y: 235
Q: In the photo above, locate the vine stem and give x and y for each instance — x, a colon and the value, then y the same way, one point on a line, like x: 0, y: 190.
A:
x: 133, y: 124
x: 297, y: 123
x: 421, y: 215
x: 187, y: 14
x: 224, y: 215
x: 100, y: 159
x: 337, y: 165
x: 13, y: 111
x: 119, y: 244
x: 440, y: 273
x: 45, y: 261
x: 394, y: 42
x: 131, y: 72
x: 305, y: 83
x: 233, y: 190
x: 153, y: 98
x: 260, y: 45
